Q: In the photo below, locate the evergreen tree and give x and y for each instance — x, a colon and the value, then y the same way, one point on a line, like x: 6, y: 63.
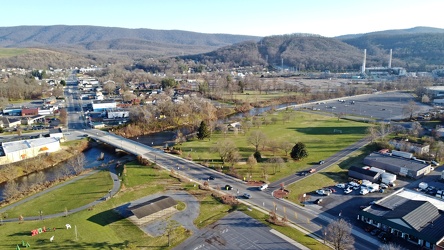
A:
x: 299, y: 151
x: 203, y: 131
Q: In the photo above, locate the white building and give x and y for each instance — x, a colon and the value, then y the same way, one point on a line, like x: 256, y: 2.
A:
x: 21, y: 150
x: 102, y: 105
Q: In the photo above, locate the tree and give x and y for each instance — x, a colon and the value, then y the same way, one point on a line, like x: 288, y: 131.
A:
x: 298, y: 151
x: 409, y: 109
x: 63, y: 82
x: 11, y: 190
x: 257, y: 138
x: 286, y: 146
x: 251, y: 162
x: 77, y: 163
x: 233, y: 157
x: 168, y: 83
x: 276, y: 163
x: 338, y: 233
x: 203, y: 131
x: 224, y: 148
x: 425, y: 99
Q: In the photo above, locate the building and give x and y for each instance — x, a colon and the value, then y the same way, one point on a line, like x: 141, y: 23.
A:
x: 157, y: 208
x: 409, y: 215
x: 102, y: 105
x: 12, y: 111
x: 56, y: 133
x: 9, y: 122
x: 20, y: 150
x: 30, y: 111
x: 404, y: 145
x: 363, y: 174
x: 398, y: 165
x: 117, y: 113
x: 34, y: 119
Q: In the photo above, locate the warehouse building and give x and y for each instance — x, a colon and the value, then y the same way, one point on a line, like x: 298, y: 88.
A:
x: 409, y: 215
x: 398, y: 165
x: 363, y: 174
x: 20, y: 150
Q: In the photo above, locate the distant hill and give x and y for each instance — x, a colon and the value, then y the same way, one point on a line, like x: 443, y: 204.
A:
x: 305, y: 52
x: 412, y: 48
x: 106, y: 38
x: 414, y: 30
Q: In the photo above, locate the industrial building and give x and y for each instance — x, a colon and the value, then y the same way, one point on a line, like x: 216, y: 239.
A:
x: 20, y: 150
x: 102, y: 105
x: 409, y: 215
x: 398, y: 165
x: 363, y: 174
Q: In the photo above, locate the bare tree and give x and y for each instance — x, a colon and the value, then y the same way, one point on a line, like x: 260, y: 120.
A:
x: 77, y: 163
x: 277, y: 163
x: 286, y: 146
x: 224, y: 149
x: 11, y: 190
x: 233, y: 157
x: 257, y: 138
x: 338, y: 233
x: 410, y: 109
x: 251, y: 162
x: 40, y: 177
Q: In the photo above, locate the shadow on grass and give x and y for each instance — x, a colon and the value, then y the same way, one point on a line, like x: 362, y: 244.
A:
x: 106, y: 217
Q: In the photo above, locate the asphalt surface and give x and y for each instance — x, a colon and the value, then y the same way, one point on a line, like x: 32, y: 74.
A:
x: 237, y: 231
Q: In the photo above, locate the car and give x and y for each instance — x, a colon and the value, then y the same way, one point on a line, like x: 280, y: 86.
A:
x: 246, y: 196
x: 383, y: 186
x: 228, y: 187
x: 348, y: 190
x: 321, y: 162
x: 318, y: 201
x: 340, y: 185
x: 368, y: 228
x: 375, y: 231
x: 435, y: 163
x: 363, y: 191
x: 211, y: 177
x: 383, y: 236
x: 311, y: 170
x: 323, y: 192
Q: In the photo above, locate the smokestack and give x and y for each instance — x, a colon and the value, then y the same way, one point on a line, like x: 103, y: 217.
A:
x: 390, y: 59
x: 363, y: 62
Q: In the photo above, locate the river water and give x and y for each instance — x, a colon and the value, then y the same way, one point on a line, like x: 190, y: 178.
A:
x: 164, y: 138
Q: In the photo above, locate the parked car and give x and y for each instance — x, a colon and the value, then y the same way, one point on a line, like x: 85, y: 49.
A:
x: 363, y: 191
x: 340, y: 185
x: 383, y: 186
x: 383, y: 236
x: 318, y: 201
x: 228, y: 187
x: 323, y: 192
x: 246, y: 196
x: 348, y: 190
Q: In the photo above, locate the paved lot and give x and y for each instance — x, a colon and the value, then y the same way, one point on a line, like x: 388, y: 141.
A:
x: 236, y: 231
x: 383, y: 106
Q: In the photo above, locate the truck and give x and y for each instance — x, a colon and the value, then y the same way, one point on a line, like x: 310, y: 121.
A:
x: 402, y: 154
x: 263, y: 187
x: 388, y: 178
x: 374, y: 187
x: 423, y: 185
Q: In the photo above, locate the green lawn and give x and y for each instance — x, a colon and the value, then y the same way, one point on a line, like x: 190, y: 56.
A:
x: 100, y: 228
x: 256, y: 96
x: 315, y: 131
x: 71, y: 196
x: 210, y: 211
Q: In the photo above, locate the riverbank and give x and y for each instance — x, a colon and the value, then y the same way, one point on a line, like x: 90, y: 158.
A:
x: 42, y: 162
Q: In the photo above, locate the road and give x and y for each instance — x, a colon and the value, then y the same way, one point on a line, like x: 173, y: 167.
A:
x: 311, y: 221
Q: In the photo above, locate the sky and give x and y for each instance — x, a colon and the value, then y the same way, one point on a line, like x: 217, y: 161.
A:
x: 241, y: 17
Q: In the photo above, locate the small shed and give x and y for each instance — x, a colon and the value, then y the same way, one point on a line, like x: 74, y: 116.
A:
x: 363, y: 174
x: 153, y: 209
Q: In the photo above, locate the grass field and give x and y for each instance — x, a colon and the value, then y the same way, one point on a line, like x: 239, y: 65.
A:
x: 73, y: 195
x: 315, y: 131
x: 255, y: 96
x: 6, y: 52
x: 99, y: 228
x: 211, y: 211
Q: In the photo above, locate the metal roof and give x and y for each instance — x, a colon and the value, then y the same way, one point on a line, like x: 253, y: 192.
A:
x: 396, y: 161
x: 152, y: 206
x: 363, y: 171
x: 14, y: 146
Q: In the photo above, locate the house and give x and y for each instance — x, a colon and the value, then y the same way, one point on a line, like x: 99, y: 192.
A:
x: 363, y: 174
x: 9, y: 122
x: 408, y: 215
x: 398, y: 165
x: 30, y: 111
x: 405, y: 145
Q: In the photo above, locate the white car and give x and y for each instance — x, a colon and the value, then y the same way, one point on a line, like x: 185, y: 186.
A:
x: 322, y: 192
x: 348, y: 190
x: 383, y: 186
x: 340, y: 185
x: 363, y: 191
